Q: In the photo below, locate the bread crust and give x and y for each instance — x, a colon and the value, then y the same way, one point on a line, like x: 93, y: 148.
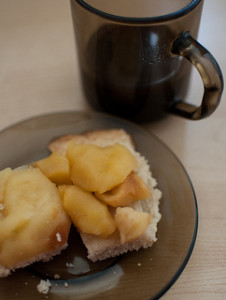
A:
x: 98, y: 137
x: 4, y: 271
x: 101, y: 248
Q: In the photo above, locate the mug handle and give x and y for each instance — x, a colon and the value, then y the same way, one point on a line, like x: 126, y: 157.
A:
x: 210, y: 73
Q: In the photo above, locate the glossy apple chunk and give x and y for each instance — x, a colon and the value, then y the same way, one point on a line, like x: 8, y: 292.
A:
x: 99, y: 169
x: 56, y: 167
x: 88, y: 214
x: 131, y: 190
x: 131, y: 223
x: 32, y: 218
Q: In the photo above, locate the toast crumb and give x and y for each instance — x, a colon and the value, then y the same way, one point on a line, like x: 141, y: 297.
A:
x: 44, y: 286
x: 58, y: 236
x: 69, y: 265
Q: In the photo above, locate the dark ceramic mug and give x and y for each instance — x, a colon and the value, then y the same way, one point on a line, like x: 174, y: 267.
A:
x: 135, y: 60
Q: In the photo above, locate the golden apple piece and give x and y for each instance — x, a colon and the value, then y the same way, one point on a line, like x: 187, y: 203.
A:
x: 34, y: 221
x: 88, y: 214
x: 56, y: 167
x: 131, y: 190
x: 61, y: 189
x: 99, y: 169
x: 131, y: 223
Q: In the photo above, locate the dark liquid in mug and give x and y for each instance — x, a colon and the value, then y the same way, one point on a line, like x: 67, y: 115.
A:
x: 128, y: 72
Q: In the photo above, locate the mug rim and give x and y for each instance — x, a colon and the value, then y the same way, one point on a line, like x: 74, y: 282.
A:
x: 166, y: 17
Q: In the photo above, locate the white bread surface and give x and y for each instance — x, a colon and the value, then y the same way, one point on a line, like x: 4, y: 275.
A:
x: 101, y: 248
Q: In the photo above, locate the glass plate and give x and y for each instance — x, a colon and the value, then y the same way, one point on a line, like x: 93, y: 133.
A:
x: 146, y: 274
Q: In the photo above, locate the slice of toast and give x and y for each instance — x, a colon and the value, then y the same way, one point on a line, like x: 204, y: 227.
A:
x: 101, y: 248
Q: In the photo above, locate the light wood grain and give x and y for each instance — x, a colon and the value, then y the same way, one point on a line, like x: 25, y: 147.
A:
x: 39, y: 74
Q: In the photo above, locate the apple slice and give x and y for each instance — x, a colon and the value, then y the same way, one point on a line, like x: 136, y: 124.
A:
x: 99, y: 169
x: 56, y: 167
x: 88, y: 214
x: 131, y: 223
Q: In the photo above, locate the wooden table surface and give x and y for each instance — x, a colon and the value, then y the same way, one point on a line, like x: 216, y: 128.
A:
x: 39, y: 74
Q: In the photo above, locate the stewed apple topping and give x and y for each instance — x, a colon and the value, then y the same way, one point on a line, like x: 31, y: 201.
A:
x: 131, y: 190
x: 91, y: 179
